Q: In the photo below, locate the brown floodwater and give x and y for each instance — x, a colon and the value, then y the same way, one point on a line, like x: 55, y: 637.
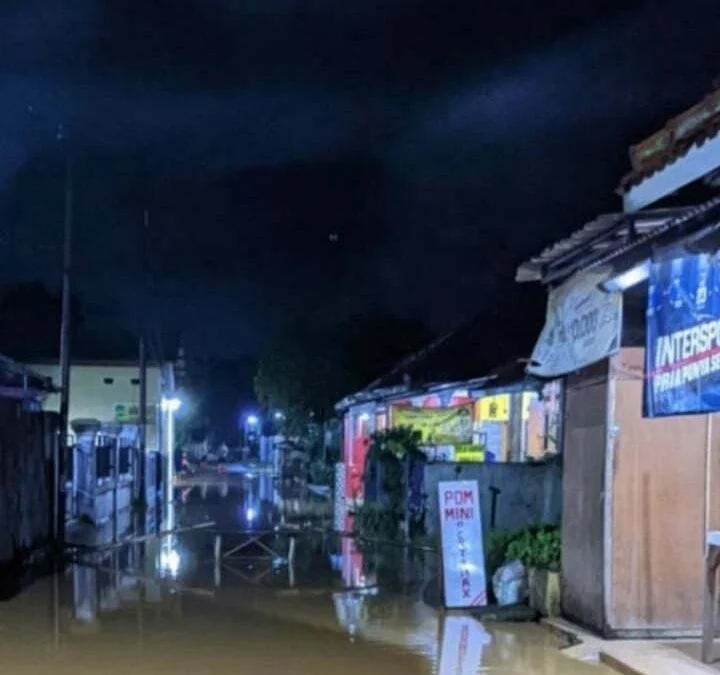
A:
x: 305, y: 603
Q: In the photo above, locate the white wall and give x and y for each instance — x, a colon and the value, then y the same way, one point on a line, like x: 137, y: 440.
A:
x: 92, y: 398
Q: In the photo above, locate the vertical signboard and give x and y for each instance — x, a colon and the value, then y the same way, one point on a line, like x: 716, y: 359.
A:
x: 339, y: 503
x: 463, y: 558
x: 682, y: 355
x: 463, y: 640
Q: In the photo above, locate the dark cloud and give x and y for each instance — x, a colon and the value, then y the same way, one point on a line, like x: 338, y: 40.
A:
x: 297, y: 155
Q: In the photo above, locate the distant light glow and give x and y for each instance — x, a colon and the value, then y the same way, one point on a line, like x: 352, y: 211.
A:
x: 252, y: 420
x: 279, y: 416
x: 250, y: 514
x: 170, y: 404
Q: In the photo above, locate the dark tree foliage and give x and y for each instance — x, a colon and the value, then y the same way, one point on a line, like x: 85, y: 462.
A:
x: 307, y: 369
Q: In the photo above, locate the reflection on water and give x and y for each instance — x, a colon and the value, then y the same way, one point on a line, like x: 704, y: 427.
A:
x: 256, y: 595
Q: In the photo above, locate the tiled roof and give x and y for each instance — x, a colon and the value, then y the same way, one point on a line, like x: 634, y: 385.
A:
x: 690, y: 129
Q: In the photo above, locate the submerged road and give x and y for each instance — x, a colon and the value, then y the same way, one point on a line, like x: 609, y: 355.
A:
x: 167, y: 608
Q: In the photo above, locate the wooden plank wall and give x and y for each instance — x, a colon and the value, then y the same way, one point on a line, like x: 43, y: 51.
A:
x: 583, y: 480
x: 658, y: 511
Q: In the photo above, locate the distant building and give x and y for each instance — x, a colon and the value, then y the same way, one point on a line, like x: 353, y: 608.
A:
x: 108, y: 392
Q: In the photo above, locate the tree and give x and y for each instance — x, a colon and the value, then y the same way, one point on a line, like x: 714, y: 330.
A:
x: 30, y: 320
x: 306, y: 370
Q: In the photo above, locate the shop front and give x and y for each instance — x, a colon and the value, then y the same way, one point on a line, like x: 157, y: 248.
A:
x: 503, y: 417
x: 629, y: 328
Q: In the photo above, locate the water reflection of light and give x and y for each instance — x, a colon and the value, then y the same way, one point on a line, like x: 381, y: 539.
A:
x: 170, y: 562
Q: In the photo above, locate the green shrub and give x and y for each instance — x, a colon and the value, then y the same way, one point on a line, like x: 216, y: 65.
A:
x: 538, y: 547
x: 496, y: 544
x: 377, y: 521
x: 321, y: 473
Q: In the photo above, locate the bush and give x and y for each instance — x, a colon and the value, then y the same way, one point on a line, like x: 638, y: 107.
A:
x: 496, y: 545
x: 321, y: 473
x: 538, y: 547
x: 377, y: 521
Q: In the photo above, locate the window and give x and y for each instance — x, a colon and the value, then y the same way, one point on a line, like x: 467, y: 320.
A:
x: 108, y: 380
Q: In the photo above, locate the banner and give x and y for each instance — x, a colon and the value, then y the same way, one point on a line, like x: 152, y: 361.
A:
x: 583, y: 326
x: 437, y: 425
x: 682, y: 355
x: 463, y: 558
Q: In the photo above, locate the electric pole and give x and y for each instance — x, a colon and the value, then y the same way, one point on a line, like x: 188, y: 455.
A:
x: 65, y: 336
x: 142, y: 354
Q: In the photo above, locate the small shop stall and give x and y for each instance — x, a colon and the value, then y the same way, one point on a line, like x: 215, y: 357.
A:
x: 632, y: 301
x: 505, y: 416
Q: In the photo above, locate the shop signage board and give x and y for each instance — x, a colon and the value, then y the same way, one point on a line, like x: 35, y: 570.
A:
x: 129, y: 413
x: 463, y: 642
x: 682, y: 355
x: 583, y: 326
x: 494, y: 408
x: 463, y: 558
x: 441, y: 426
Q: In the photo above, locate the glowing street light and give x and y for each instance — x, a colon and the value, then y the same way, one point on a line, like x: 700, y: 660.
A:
x: 170, y: 405
x: 252, y: 420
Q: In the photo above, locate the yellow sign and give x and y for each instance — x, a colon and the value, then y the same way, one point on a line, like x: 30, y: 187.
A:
x: 494, y: 408
x: 436, y: 425
x: 469, y: 453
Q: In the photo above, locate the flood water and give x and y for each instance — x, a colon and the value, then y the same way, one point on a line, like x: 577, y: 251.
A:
x: 299, y: 601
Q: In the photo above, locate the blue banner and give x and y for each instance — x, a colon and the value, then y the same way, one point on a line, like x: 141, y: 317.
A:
x: 682, y: 356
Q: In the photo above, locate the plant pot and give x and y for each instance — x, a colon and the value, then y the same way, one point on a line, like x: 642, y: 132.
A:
x: 544, y: 591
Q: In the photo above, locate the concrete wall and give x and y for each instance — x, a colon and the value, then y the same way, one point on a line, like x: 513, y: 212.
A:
x: 527, y: 494
x: 96, y: 390
x: 26, y: 450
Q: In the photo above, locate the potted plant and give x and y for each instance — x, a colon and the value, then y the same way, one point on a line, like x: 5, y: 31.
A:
x: 539, y: 550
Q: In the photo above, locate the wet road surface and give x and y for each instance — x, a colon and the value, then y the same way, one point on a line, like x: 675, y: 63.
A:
x: 314, y: 605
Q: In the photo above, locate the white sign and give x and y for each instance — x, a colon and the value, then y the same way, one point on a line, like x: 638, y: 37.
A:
x: 583, y: 326
x: 463, y: 639
x: 340, y: 503
x: 462, y: 544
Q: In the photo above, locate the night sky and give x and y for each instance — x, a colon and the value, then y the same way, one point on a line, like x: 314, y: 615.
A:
x: 319, y: 154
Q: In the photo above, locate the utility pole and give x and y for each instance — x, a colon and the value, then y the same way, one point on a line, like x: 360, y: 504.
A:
x: 65, y: 335
x: 142, y: 354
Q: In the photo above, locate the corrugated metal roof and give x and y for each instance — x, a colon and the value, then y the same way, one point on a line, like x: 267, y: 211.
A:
x: 599, y: 239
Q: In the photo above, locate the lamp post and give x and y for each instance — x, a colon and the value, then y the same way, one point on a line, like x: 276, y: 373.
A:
x: 169, y: 406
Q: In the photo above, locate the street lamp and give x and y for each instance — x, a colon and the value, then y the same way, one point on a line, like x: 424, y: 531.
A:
x: 171, y: 405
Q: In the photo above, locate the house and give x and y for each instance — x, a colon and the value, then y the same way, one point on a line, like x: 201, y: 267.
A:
x: 103, y: 468
x: 29, y: 508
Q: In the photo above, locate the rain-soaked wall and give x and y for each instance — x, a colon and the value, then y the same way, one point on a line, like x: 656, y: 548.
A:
x: 513, y: 495
x: 26, y: 445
